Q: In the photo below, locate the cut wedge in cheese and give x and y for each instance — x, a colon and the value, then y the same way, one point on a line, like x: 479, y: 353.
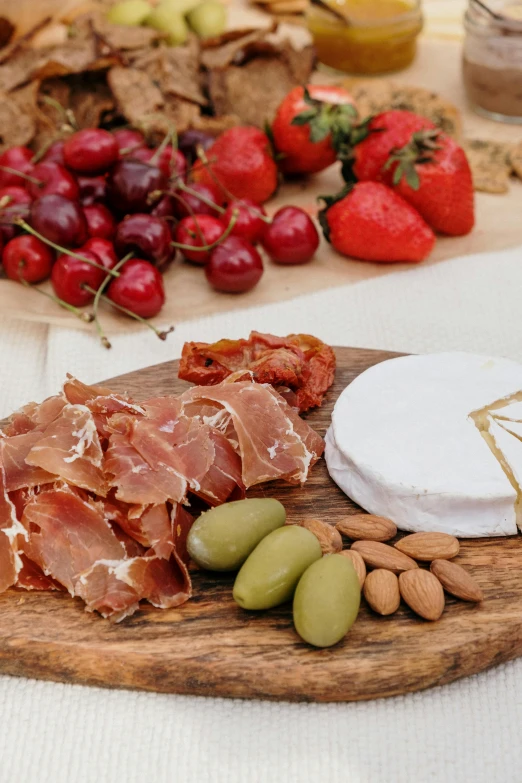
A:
x: 417, y: 440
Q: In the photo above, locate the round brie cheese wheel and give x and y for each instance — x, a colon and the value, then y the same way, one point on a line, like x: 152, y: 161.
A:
x: 414, y: 439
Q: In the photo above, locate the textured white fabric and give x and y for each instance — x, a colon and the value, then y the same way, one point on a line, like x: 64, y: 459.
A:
x: 468, y: 731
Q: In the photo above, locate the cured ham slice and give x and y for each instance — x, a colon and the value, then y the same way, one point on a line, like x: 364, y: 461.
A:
x: 115, y: 588
x: 102, y: 402
x: 31, y: 577
x: 33, y: 416
x: 11, y: 534
x: 152, y: 529
x: 135, y: 480
x: 18, y: 473
x: 68, y: 535
x: 224, y: 476
x: 70, y: 448
x: 273, y: 441
x: 182, y: 521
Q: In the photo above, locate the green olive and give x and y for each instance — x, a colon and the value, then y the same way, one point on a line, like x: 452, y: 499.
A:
x: 270, y: 575
x: 129, y: 12
x: 208, y: 19
x: 168, y: 21
x: 221, y: 539
x: 326, y: 601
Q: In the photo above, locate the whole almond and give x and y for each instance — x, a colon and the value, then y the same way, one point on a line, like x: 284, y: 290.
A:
x: 329, y: 538
x: 378, y: 555
x: 423, y: 593
x: 358, y: 564
x: 457, y: 581
x: 381, y: 590
x: 429, y: 546
x: 367, y: 527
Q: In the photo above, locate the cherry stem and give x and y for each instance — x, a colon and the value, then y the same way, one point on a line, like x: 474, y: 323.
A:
x: 21, y: 174
x: 172, y: 137
x: 104, y: 341
x: 37, y: 157
x: 30, y: 230
x: 230, y: 196
x: 161, y: 334
x: 206, y: 248
x: 69, y: 120
x: 204, y: 199
x: 191, y: 212
x: 83, y: 316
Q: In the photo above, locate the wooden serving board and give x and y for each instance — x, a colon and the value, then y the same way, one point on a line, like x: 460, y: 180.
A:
x: 211, y: 647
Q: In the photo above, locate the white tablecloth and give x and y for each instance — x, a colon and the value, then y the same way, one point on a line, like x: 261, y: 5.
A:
x: 469, y: 731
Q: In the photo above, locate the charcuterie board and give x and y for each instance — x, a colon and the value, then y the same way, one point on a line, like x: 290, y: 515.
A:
x: 210, y: 647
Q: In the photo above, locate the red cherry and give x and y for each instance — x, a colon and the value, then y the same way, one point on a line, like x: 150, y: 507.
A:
x: 164, y: 208
x: 55, y: 153
x: 146, y: 236
x: 128, y: 140
x: 92, y: 190
x: 14, y: 203
x: 133, y: 186
x: 249, y: 224
x: 28, y: 258
x: 103, y: 249
x: 139, y: 288
x: 190, y: 140
x: 100, y: 222
x: 291, y: 238
x: 90, y: 151
x: 170, y: 161
x: 59, y: 220
x: 235, y: 266
x: 186, y: 204
x: 69, y: 275
x: 19, y: 159
x: 55, y: 181
x: 198, y: 231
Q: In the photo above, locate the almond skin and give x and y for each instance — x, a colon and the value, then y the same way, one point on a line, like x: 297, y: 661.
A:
x: 367, y: 527
x: 457, y: 581
x: 423, y: 593
x: 329, y: 538
x: 429, y: 546
x: 378, y: 555
x: 381, y: 590
x: 358, y: 564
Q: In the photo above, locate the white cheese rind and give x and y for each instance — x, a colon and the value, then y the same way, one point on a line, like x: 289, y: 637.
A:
x: 402, y: 444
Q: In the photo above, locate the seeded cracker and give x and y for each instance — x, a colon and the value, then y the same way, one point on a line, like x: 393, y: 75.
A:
x: 490, y: 164
x: 515, y: 158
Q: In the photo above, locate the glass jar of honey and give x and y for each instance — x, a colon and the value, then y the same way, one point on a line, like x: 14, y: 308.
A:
x: 492, y: 60
x: 365, y: 36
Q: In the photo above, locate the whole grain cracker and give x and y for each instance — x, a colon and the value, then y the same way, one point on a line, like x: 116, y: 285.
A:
x: 490, y: 164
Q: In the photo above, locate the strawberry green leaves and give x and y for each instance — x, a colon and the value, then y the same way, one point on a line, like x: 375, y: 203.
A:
x: 326, y: 118
x: 419, y: 150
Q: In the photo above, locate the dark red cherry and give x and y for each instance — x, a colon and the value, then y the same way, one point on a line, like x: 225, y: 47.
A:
x: 92, y: 190
x: 59, y: 220
x: 146, y: 236
x: 128, y: 140
x: 54, y: 180
x: 186, y: 204
x: 170, y: 161
x: 291, y: 237
x: 133, y: 186
x: 55, y: 153
x: 164, y: 208
x: 139, y: 288
x: 100, y: 222
x: 103, y: 249
x: 198, y: 231
x: 70, y: 275
x: 234, y: 267
x: 190, y: 140
x: 15, y: 203
x: 27, y: 258
x: 90, y: 151
x: 249, y: 223
x: 17, y: 158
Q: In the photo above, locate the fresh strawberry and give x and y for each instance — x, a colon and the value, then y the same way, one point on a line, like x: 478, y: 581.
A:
x: 371, y: 222
x: 240, y: 161
x: 432, y: 173
x: 308, y: 124
x: 372, y: 143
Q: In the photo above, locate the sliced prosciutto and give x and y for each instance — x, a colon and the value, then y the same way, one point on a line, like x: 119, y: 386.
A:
x: 274, y: 443
x: 33, y: 416
x: 12, y: 534
x: 70, y: 448
x: 102, y: 402
x: 68, y: 535
x: 18, y: 472
x: 31, y: 577
x: 135, y: 480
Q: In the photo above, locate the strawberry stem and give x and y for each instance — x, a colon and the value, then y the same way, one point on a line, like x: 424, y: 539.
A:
x: 30, y: 230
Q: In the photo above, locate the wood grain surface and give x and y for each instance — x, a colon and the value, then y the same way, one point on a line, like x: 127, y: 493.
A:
x: 210, y: 647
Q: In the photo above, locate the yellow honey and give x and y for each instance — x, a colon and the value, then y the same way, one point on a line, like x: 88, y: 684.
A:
x: 365, y: 36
